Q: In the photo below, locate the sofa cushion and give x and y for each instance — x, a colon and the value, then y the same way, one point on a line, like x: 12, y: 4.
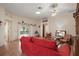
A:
x: 45, y: 43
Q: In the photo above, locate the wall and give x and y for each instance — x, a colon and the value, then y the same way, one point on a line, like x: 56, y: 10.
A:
x: 62, y: 21
x: 2, y: 13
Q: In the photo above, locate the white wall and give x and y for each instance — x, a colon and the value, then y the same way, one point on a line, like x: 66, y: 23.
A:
x: 62, y: 21
x: 2, y: 35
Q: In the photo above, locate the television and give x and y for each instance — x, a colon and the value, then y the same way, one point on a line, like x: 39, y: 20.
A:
x: 60, y: 33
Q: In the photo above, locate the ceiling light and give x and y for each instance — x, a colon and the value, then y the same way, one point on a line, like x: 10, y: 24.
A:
x: 53, y: 14
x: 37, y: 12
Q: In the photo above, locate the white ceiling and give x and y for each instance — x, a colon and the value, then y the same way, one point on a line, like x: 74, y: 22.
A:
x: 28, y: 9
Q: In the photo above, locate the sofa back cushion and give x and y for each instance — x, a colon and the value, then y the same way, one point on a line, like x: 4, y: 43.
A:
x: 45, y: 43
x: 25, y: 39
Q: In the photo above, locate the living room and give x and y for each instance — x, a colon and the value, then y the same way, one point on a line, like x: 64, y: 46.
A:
x: 35, y: 20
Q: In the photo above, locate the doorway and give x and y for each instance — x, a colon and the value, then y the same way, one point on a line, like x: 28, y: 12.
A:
x: 44, y: 29
x: 43, y: 34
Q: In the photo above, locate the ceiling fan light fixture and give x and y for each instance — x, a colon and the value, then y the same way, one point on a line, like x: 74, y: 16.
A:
x: 37, y: 12
x: 53, y: 14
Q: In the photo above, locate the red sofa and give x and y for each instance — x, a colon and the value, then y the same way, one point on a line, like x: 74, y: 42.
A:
x: 33, y: 46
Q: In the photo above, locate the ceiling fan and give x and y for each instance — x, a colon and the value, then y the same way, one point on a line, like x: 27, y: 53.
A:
x: 53, y: 9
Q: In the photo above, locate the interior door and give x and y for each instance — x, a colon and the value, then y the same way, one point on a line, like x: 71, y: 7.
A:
x: 8, y: 30
x: 45, y: 29
x: 43, y: 34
